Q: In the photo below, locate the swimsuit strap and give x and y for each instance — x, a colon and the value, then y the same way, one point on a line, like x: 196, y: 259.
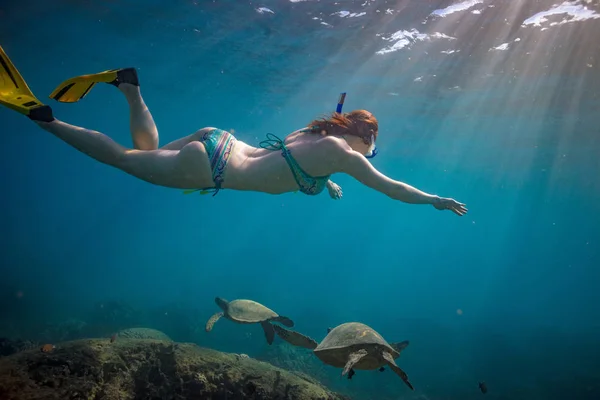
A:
x: 272, y: 143
x: 306, y: 183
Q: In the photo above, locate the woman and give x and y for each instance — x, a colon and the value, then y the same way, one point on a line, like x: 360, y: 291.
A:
x: 213, y: 159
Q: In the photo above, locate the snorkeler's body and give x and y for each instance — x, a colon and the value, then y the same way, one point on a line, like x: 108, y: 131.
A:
x: 214, y: 159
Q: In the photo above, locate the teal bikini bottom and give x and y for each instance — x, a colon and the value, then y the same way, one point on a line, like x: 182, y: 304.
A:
x: 218, y: 144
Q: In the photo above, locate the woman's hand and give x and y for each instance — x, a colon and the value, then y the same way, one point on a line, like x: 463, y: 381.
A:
x: 335, y: 191
x: 444, y: 203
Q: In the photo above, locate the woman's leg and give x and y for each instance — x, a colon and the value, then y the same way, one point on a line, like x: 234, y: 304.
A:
x: 180, y: 143
x: 143, y: 129
x: 185, y: 168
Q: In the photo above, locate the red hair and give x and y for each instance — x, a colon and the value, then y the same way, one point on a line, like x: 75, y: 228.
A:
x: 360, y: 123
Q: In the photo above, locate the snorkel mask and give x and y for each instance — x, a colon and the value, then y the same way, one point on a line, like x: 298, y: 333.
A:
x: 372, y: 149
x: 372, y: 152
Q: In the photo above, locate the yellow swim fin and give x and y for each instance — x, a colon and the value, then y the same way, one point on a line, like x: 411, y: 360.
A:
x: 75, y: 89
x: 16, y: 95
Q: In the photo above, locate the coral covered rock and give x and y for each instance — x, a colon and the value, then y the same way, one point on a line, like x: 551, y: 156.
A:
x: 146, y: 369
x: 8, y: 347
x: 143, y: 333
x: 295, y: 359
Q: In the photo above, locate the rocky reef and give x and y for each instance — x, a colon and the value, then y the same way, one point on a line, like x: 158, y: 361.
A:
x: 143, y: 333
x: 297, y: 359
x: 147, y: 369
x: 8, y: 347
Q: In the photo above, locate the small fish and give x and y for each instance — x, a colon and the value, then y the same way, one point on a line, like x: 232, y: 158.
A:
x: 113, y: 338
x: 47, y: 348
x: 483, y: 387
x: 381, y: 369
x: 329, y: 330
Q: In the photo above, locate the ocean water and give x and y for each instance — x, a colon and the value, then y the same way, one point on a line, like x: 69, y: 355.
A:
x: 494, y: 103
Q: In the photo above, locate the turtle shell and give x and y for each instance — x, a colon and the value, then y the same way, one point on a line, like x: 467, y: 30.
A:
x: 350, y: 337
x: 248, y: 311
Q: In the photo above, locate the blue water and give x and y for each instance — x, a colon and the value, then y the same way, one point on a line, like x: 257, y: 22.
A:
x: 507, y: 294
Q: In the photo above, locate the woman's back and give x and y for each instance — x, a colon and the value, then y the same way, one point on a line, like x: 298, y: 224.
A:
x: 252, y: 168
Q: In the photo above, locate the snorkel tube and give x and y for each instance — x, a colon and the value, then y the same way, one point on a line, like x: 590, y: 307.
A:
x: 340, y: 103
x: 373, y: 149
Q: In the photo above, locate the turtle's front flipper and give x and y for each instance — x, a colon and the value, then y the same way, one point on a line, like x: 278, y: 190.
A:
x: 390, y: 361
x: 284, y: 321
x: 353, y: 358
x: 295, y: 338
x: 351, y: 373
x: 400, y: 345
x: 269, y: 332
x: 212, y: 320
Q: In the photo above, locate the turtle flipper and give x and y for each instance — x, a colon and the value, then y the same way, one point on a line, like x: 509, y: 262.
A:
x: 400, y: 345
x: 212, y: 320
x: 295, y: 338
x: 390, y: 361
x: 353, y: 358
x: 269, y: 331
x: 221, y: 302
x: 351, y: 373
x: 284, y: 321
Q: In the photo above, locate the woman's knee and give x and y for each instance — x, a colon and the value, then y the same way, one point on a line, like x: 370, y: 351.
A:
x: 145, y: 141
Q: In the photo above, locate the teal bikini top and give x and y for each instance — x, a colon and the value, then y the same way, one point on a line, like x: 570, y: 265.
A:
x: 308, y: 184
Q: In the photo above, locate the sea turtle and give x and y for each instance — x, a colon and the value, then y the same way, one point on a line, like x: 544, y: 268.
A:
x: 248, y: 312
x: 351, y: 346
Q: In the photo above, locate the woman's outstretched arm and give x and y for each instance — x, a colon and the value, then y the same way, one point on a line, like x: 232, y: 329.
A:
x: 357, y: 166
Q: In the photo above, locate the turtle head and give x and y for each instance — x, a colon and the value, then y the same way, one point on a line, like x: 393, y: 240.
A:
x: 221, y: 303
